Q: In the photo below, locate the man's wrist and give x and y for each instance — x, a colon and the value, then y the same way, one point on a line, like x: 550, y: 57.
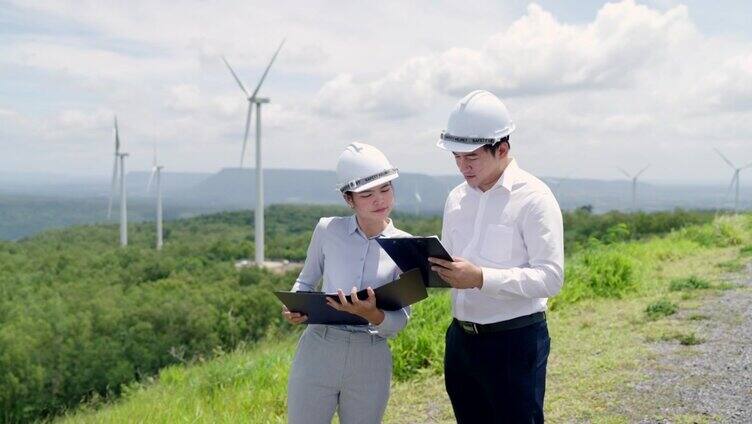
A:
x: 479, y: 284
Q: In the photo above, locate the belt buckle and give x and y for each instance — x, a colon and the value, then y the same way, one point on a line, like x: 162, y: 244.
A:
x: 469, y: 327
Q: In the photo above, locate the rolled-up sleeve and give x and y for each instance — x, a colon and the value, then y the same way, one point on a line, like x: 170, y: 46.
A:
x: 313, y: 268
x: 543, y: 234
x: 394, y: 322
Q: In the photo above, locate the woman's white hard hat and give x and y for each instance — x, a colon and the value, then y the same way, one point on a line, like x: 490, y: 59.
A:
x: 361, y: 167
x: 479, y: 118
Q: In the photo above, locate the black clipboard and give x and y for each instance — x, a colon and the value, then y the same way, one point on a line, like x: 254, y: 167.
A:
x: 413, y: 252
x: 405, y: 290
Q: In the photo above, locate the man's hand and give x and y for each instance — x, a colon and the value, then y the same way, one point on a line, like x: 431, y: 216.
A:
x: 460, y: 274
x: 293, y: 317
x: 364, y: 308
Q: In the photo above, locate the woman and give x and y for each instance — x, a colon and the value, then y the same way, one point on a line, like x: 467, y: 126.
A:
x: 349, y: 367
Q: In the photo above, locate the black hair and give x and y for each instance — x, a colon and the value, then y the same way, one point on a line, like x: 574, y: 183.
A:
x: 492, y: 148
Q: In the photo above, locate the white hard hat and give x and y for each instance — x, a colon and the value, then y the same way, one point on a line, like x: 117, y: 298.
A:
x: 362, y: 167
x: 479, y: 118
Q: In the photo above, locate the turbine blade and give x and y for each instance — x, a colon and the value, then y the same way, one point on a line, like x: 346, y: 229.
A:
x: 725, y: 159
x: 746, y: 166
x: 154, y: 160
x: 112, y: 189
x: 247, y: 128
x: 266, y: 71
x: 626, y: 174
x: 117, y: 137
x: 643, y: 170
x: 242, y: 87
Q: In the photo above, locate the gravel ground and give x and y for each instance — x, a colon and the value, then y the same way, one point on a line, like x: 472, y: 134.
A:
x: 711, y: 381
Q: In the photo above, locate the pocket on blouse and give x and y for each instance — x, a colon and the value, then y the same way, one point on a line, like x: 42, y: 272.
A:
x: 497, y: 243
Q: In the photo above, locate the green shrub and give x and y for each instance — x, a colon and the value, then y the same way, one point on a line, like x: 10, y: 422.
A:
x: 733, y: 265
x: 599, y: 272
x: 723, y: 232
x: 746, y: 250
x: 660, y: 309
x: 690, y: 283
x: 685, y: 339
x: 617, y: 233
x: 689, y: 339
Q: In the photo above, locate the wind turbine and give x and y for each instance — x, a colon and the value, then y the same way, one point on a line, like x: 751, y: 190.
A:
x: 734, y: 179
x: 557, y: 184
x: 156, y: 176
x: 119, y: 164
x: 418, y: 200
x: 258, y: 101
x: 634, y: 184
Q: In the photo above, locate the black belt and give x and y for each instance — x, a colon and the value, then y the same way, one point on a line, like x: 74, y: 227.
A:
x: 511, y: 324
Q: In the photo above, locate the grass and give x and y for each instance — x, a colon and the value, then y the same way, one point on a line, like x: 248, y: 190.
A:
x: 601, y: 343
x: 229, y: 389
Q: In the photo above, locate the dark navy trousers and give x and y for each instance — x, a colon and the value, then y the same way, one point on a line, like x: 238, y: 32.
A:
x: 497, y: 377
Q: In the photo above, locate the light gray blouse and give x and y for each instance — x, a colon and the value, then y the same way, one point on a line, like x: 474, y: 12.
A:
x: 342, y: 254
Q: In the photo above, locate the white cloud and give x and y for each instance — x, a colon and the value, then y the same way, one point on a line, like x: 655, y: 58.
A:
x: 80, y: 120
x: 535, y: 55
x: 90, y: 63
x: 730, y: 85
x: 184, y: 97
x: 631, y: 83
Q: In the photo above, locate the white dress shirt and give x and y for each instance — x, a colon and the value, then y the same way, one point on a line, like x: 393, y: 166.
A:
x: 342, y: 254
x: 514, y: 232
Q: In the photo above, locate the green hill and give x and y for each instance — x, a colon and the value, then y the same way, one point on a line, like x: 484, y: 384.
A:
x: 82, y: 320
x: 601, y: 327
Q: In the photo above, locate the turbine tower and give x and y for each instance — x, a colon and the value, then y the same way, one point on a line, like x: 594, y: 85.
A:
x: 418, y: 200
x: 557, y: 184
x: 634, y: 184
x: 734, y: 179
x: 258, y: 101
x: 119, y: 164
x: 156, y: 177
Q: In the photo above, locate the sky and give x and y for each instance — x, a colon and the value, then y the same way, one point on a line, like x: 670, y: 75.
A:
x: 591, y: 86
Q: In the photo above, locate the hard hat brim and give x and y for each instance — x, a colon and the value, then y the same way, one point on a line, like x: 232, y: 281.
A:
x: 454, y: 146
x: 375, y: 183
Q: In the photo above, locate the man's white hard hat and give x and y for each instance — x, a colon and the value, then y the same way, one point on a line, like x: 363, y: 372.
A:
x: 361, y: 167
x: 479, y: 118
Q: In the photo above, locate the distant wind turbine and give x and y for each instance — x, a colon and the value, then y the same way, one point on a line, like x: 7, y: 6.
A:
x: 634, y: 184
x: 156, y: 177
x: 557, y: 184
x: 119, y: 164
x: 258, y: 101
x: 734, y: 179
x: 418, y: 200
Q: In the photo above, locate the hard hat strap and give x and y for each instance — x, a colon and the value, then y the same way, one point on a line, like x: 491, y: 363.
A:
x: 354, y: 184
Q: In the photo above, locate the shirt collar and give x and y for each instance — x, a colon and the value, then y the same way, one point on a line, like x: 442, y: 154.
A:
x: 352, y: 227
x: 509, y: 176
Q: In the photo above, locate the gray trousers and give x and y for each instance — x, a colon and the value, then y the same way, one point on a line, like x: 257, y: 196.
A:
x: 337, y: 368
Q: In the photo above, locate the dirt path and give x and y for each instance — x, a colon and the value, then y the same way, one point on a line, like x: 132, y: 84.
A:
x: 710, y: 381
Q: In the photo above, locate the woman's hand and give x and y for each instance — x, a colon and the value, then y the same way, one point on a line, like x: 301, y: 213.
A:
x: 364, y: 308
x: 293, y: 317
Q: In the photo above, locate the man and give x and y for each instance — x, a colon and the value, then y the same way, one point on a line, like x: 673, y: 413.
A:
x: 503, y: 228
